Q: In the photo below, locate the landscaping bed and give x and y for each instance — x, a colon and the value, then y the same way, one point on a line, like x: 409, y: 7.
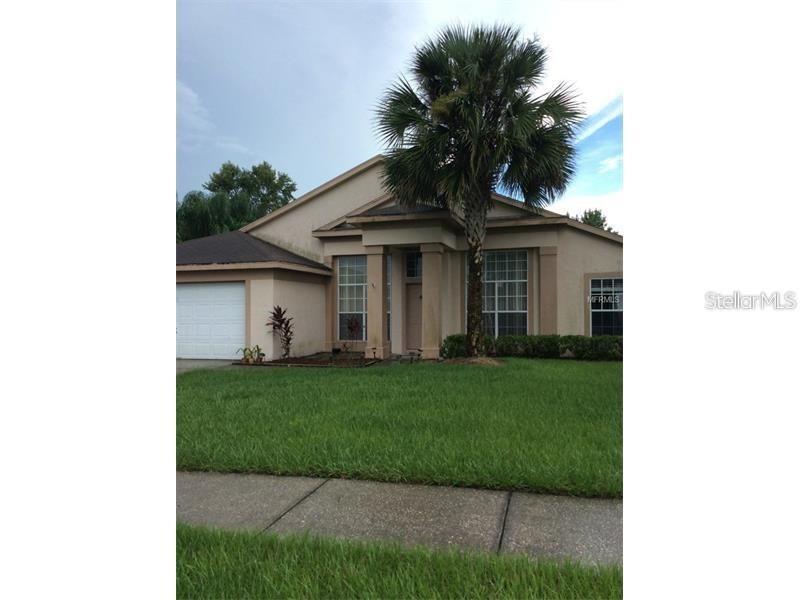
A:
x: 221, y: 564
x: 581, y: 347
x: 320, y: 359
x: 535, y: 425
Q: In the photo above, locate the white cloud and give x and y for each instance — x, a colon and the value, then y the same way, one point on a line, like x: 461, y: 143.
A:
x: 195, y: 129
x: 192, y: 114
x: 612, y: 205
x: 610, y: 164
x: 595, y: 122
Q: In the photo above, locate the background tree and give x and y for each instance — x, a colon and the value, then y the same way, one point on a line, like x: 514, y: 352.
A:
x: 234, y: 197
x: 471, y: 122
x: 595, y: 218
x: 193, y: 217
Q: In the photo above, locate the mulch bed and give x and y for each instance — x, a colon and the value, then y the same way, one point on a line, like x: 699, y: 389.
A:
x: 321, y: 359
x: 478, y: 360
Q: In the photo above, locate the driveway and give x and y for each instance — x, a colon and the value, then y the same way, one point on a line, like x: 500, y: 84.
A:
x: 192, y: 364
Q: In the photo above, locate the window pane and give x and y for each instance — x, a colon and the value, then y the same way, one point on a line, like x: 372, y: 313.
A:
x: 605, y: 297
x: 505, y: 293
x: 607, y: 323
x: 488, y: 297
x: 354, y: 332
x: 512, y: 323
x: 413, y: 264
x: 352, y: 304
x: 488, y: 324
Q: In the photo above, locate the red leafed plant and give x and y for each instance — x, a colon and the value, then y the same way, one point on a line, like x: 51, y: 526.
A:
x: 283, y: 326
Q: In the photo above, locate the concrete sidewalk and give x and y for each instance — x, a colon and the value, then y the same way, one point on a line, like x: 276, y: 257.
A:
x: 559, y: 527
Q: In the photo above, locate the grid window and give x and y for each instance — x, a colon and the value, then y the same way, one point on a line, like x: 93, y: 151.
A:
x: 605, y: 305
x: 413, y: 265
x: 505, y: 292
x: 352, y: 286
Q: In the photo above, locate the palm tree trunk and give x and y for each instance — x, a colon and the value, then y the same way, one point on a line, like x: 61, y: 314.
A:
x: 475, y: 299
x: 475, y: 229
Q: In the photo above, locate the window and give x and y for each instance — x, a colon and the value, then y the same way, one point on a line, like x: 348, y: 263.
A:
x: 505, y: 292
x: 413, y: 265
x: 352, y: 284
x: 605, y: 305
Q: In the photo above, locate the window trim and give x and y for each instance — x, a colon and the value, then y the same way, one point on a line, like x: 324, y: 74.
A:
x: 339, y: 285
x: 587, y: 292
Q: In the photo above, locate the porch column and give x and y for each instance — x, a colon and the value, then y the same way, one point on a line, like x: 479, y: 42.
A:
x: 377, y: 339
x: 548, y: 290
x: 398, y: 302
x: 330, y: 306
x: 431, y: 299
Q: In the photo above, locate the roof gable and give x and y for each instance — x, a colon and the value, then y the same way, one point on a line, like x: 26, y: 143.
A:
x: 315, y: 193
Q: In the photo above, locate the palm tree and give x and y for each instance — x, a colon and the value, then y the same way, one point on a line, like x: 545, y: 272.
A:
x: 472, y: 122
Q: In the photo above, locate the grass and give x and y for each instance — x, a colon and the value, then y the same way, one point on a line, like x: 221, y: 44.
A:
x: 537, y: 425
x: 216, y: 564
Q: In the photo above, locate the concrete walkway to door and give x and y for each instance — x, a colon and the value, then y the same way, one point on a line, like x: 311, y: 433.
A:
x: 541, y: 526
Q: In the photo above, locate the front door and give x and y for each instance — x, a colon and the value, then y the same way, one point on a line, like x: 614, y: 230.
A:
x: 413, y: 316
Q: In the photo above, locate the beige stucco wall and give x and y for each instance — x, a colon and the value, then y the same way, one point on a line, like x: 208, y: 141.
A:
x: 292, y: 229
x: 578, y: 254
x: 499, y: 239
x: 346, y: 246
x: 452, y: 293
x: 260, y: 302
x: 408, y: 232
x: 303, y: 296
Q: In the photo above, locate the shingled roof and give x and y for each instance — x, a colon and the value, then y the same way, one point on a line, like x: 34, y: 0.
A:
x: 236, y: 247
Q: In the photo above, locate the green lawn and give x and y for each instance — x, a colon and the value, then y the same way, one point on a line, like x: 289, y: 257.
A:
x: 216, y: 564
x: 539, y: 425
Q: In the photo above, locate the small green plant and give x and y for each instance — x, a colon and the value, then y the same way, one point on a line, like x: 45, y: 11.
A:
x: 247, y: 354
x: 258, y: 355
x: 283, y: 326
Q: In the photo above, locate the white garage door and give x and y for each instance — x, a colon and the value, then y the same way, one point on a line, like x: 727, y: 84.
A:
x: 210, y: 319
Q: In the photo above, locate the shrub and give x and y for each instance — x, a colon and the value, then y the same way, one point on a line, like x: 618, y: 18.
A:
x: 283, y: 326
x: 454, y: 346
x: 510, y: 345
x: 570, y: 346
x: 605, y: 347
x: 542, y: 346
x: 602, y: 347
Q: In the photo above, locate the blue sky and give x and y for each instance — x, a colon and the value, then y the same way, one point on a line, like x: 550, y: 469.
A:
x: 295, y: 84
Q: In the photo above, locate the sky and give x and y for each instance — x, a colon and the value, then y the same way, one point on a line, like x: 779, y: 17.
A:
x: 296, y: 83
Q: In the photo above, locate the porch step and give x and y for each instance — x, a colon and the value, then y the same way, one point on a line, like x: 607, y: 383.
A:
x: 408, y: 357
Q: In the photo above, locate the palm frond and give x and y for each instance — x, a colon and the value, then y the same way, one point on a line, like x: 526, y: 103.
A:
x: 468, y: 121
x: 398, y: 111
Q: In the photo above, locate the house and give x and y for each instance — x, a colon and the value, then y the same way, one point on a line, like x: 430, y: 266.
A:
x: 353, y: 268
